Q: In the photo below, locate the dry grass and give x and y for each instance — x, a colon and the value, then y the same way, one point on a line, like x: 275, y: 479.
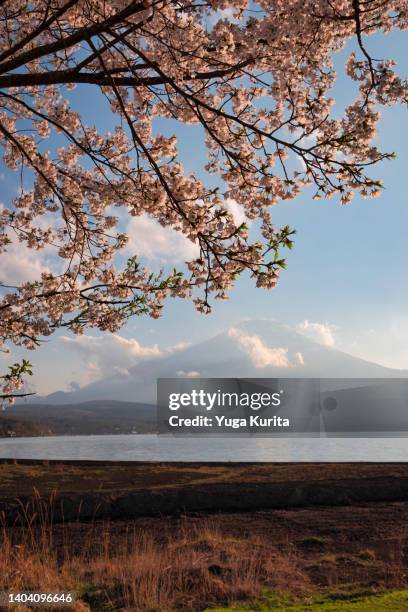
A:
x: 191, y: 568
x: 195, y: 563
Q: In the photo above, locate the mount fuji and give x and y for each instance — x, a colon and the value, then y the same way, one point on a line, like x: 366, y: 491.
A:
x: 253, y: 349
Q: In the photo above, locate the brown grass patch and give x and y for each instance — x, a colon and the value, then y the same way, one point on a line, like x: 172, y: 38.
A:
x: 193, y: 567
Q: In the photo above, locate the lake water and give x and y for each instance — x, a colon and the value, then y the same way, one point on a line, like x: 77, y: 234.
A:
x: 159, y: 448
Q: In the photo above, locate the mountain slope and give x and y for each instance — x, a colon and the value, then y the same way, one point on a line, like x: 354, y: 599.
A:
x: 245, y: 352
x: 98, y: 417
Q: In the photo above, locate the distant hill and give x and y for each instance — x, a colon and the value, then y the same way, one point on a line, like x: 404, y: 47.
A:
x: 12, y: 427
x: 225, y: 356
x: 98, y: 417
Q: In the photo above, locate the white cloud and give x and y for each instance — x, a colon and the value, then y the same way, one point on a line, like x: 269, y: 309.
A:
x: 110, y: 354
x: 236, y: 210
x: 73, y: 385
x: 189, y: 374
x: 20, y: 264
x: 323, y: 333
x: 260, y: 354
x: 227, y: 13
x: 176, y: 347
x: 299, y: 360
x: 149, y: 239
x: 306, y: 142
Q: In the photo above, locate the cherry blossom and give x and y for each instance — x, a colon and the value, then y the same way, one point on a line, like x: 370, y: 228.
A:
x: 260, y: 86
x: 13, y: 381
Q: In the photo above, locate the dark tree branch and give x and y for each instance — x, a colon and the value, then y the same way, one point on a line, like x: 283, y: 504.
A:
x: 69, y: 41
x: 102, y: 79
x: 32, y: 35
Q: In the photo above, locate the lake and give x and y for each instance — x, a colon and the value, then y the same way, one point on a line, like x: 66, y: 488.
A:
x: 159, y: 448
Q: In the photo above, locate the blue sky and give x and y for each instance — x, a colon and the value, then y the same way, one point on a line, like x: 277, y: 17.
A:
x: 347, y: 271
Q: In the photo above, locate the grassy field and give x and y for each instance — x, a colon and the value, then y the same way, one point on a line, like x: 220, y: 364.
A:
x: 394, y: 601
x: 188, y: 568
x: 322, y: 558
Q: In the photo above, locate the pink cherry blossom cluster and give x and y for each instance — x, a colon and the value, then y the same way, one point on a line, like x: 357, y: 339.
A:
x: 13, y: 381
x: 259, y: 85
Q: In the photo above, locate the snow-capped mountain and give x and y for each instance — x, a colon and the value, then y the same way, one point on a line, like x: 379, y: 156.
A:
x: 254, y: 349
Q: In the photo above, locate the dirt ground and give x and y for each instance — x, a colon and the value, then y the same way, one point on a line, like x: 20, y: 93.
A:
x: 346, y: 547
x: 115, y: 491
x: 21, y: 477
